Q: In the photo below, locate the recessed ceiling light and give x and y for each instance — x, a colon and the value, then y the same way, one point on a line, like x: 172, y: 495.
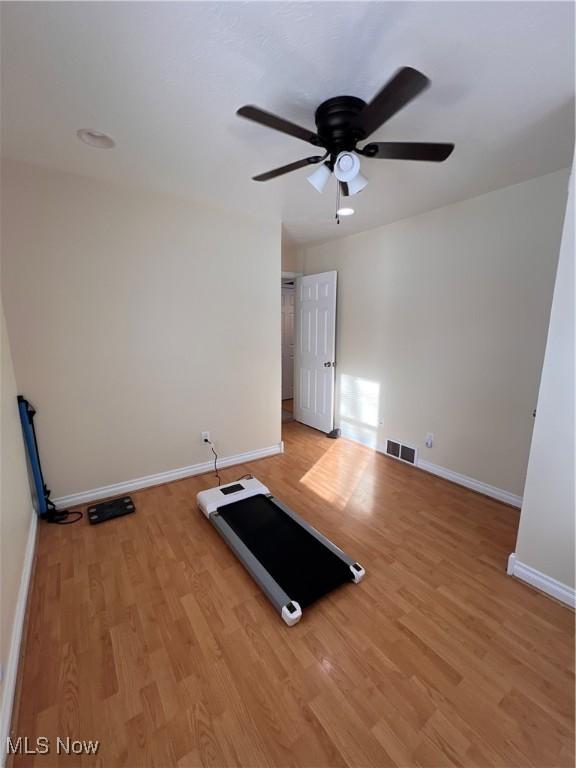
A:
x: 95, y: 138
x: 345, y: 211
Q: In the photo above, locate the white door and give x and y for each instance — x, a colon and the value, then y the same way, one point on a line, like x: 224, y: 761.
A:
x: 315, y: 350
x: 288, y: 343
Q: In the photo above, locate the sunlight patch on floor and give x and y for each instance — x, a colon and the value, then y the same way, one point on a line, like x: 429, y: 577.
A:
x: 336, y: 475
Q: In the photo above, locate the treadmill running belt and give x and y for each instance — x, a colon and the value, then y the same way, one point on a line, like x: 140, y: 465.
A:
x: 296, y: 560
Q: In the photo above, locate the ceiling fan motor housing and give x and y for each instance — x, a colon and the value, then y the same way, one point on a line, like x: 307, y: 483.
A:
x: 343, y: 121
x: 335, y: 123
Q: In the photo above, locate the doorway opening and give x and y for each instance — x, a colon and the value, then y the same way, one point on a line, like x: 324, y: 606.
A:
x: 309, y: 349
x: 288, y: 295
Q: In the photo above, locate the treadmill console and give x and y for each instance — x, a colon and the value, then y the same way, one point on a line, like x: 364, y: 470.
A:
x: 226, y: 489
x: 212, y: 499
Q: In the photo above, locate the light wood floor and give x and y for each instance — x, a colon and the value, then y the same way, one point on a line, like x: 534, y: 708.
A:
x: 147, y: 634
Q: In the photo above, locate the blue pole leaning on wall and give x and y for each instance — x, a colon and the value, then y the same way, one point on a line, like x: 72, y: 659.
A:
x: 45, y: 508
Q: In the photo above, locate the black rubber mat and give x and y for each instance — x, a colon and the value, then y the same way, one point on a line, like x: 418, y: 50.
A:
x: 296, y: 560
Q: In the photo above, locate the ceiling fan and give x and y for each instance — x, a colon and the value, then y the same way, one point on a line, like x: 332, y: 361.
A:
x: 342, y: 122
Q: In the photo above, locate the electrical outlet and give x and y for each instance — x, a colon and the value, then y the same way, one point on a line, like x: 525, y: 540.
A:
x: 205, y: 437
x: 429, y: 440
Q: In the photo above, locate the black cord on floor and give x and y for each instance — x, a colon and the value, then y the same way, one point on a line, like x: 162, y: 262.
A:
x: 60, y: 516
x: 216, y: 464
x: 217, y: 473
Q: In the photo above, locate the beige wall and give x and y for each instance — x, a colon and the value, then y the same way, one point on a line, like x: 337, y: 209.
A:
x: 442, y: 322
x: 292, y: 255
x: 546, y: 533
x: 137, y: 320
x: 15, y: 511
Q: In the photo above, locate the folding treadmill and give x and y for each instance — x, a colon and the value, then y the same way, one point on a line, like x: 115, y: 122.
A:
x: 292, y: 562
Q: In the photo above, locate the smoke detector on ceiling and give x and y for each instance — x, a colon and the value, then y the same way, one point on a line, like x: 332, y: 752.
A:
x: 95, y: 138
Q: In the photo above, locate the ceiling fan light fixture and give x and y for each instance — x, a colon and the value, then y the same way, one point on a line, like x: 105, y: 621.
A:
x: 320, y: 177
x: 347, y: 166
x: 356, y: 184
x: 342, y: 122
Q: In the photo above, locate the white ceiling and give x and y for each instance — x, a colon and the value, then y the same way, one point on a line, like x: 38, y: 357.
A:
x: 165, y: 79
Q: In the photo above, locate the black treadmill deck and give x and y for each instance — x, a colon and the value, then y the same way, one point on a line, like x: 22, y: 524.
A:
x: 301, y: 564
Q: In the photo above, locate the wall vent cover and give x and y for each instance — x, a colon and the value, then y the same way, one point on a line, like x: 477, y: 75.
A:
x: 401, y: 452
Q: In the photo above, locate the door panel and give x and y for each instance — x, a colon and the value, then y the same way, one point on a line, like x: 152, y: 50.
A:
x: 315, y: 315
x: 305, y: 389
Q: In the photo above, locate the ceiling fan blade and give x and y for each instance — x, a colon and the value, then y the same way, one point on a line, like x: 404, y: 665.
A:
x: 399, y: 91
x: 407, y: 150
x: 278, y: 124
x: 287, y: 168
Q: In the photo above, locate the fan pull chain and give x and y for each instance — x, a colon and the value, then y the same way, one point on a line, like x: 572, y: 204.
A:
x: 337, y: 217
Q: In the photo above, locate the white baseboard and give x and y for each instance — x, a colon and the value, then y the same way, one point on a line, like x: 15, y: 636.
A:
x: 470, y: 482
x: 11, y: 670
x: 541, y: 581
x: 117, y: 489
x: 435, y: 469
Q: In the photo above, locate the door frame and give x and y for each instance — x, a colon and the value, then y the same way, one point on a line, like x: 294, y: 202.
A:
x: 287, y: 276
x: 288, y: 289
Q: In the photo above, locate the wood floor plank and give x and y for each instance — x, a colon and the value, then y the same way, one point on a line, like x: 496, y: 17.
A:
x: 147, y: 634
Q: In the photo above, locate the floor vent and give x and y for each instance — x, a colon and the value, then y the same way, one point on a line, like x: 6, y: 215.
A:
x: 401, y: 452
